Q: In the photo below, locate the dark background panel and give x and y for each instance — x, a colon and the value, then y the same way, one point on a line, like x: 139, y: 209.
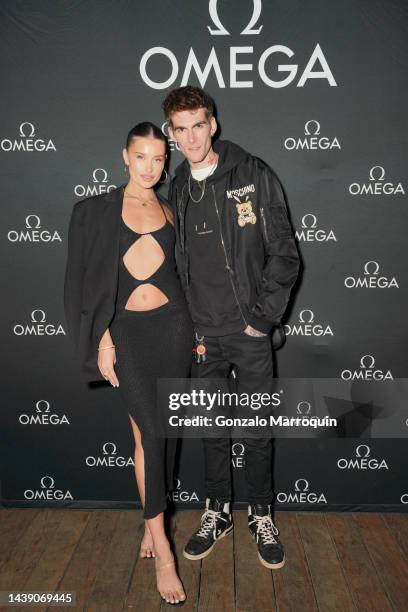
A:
x: 72, y: 70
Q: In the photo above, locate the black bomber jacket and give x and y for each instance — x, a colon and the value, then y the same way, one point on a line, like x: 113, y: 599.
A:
x: 263, y: 264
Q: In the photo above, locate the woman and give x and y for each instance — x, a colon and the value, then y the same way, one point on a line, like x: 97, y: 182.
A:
x: 127, y: 315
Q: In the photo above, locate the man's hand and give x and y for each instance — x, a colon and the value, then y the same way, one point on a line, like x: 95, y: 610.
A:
x: 250, y: 331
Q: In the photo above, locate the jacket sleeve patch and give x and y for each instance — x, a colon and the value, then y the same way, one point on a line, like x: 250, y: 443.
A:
x: 280, y: 221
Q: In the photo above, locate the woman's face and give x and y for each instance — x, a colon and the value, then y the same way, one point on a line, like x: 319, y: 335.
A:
x: 145, y: 158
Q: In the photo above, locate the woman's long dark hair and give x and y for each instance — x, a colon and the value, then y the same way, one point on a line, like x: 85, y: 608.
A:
x: 146, y: 129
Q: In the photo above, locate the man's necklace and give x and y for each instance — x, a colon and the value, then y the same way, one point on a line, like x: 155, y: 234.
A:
x: 202, y: 186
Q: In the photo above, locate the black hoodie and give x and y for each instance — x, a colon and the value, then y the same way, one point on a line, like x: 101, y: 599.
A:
x: 216, y: 311
x: 251, y: 263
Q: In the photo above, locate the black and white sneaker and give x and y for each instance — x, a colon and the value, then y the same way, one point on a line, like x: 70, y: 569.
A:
x: 264, y: 532
x: 216, y: 522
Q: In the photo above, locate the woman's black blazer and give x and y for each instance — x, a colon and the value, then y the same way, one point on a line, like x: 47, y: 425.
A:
x: 91, y: 275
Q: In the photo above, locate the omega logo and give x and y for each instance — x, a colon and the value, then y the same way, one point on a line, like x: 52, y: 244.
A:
x: 31, y: 132
x: 303, y: 408
x: 104, y: 174
x: 222, y: 31
x: 236, y: 68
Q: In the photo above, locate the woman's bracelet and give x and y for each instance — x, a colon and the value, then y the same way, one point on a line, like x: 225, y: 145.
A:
x: 102, y: 348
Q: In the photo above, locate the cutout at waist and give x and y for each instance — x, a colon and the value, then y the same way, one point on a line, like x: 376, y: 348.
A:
x: 146, y: 297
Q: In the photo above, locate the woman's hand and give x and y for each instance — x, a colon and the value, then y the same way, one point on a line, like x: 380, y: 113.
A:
x: 106, y: 361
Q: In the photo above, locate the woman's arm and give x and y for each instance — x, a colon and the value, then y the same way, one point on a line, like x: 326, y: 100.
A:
x: 107, y: 359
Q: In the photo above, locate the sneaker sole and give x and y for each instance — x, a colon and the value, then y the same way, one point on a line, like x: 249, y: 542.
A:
x: 271, y: 565
x: 207, y: 552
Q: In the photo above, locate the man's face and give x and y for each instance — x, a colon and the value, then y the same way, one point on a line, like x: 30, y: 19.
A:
x: 193, y: 131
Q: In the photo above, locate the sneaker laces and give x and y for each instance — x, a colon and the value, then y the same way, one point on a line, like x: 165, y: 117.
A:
x: 266, y: 529
x: 208, y: 523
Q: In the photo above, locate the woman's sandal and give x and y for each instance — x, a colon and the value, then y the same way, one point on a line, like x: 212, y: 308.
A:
x: 180, y: 603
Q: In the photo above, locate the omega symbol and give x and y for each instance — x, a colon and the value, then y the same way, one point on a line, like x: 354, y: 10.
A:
x: 301, y: 410
x: 51, y: 480
x: 239, y: 452
x: 39, y: 408
x: 221, y: 31
x: 376, y: 267
x: 314, y: 222
x: 311, y: 316
x: 105, y: 175
x: 34, y: 316
x: 371, y: 362
x: 32, y: 132
x: 317, y: 131
x: 165, y: 129
x: 367, y: 452
x: 379, y: 178
x: 27, y: 222
x: 305, y: 487
x: 113, y: 451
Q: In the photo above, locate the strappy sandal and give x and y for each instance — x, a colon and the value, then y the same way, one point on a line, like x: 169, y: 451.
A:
x: 180, y: 603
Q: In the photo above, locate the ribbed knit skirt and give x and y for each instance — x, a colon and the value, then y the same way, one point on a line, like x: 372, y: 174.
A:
x: 150, y: 345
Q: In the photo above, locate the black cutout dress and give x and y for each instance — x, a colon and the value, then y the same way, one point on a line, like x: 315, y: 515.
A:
x: 151, y: 344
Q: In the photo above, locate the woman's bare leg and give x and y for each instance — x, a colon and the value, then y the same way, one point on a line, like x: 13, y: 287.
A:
x: 155, y: 539
x: 146, y: 545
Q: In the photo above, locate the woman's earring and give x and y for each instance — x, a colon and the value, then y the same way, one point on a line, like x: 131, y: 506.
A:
x: 126, y: 169
x: 167, y: 176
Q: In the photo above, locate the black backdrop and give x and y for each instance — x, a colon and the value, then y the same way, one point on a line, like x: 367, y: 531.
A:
x: 319, y: 93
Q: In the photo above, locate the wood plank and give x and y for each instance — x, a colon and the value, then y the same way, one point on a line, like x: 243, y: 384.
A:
x: 398, y: 525
x: 58, y: 550
x: 12, y: 518
x: 387, y: 557
x: 217, y: 590
x: 143, y: 594
x: 89, y: 556
x: 293, y: 583
x: 113, y: 579
x: 361, y: 575
x: 47, y: 573
x: 329, y: 585
x: 27, y: 554
x: 254, y: 590
x: 13, y: 525
x: 334, y: 561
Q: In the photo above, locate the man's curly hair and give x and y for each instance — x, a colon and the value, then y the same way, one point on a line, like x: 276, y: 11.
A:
x: 187, y: 98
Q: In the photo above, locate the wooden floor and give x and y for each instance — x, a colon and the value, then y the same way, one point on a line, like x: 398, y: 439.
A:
x: 348, y: 561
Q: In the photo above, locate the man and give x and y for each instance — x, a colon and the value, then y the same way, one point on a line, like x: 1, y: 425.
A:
x: 238, y: 261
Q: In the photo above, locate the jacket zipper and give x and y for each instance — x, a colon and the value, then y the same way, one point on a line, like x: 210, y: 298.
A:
x: 264, y: 225
x: 180, y: 214
x: 182, y: 229
x: 228, y: 267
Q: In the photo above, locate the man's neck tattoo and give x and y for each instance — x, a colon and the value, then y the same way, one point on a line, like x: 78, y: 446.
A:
x: 212, y: 159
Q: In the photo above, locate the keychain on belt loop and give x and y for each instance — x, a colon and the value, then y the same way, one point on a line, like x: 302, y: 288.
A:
x: 200, y: 349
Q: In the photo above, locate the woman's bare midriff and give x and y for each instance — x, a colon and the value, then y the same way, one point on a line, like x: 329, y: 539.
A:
x: 146, y: 297
x: 144, y: 258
